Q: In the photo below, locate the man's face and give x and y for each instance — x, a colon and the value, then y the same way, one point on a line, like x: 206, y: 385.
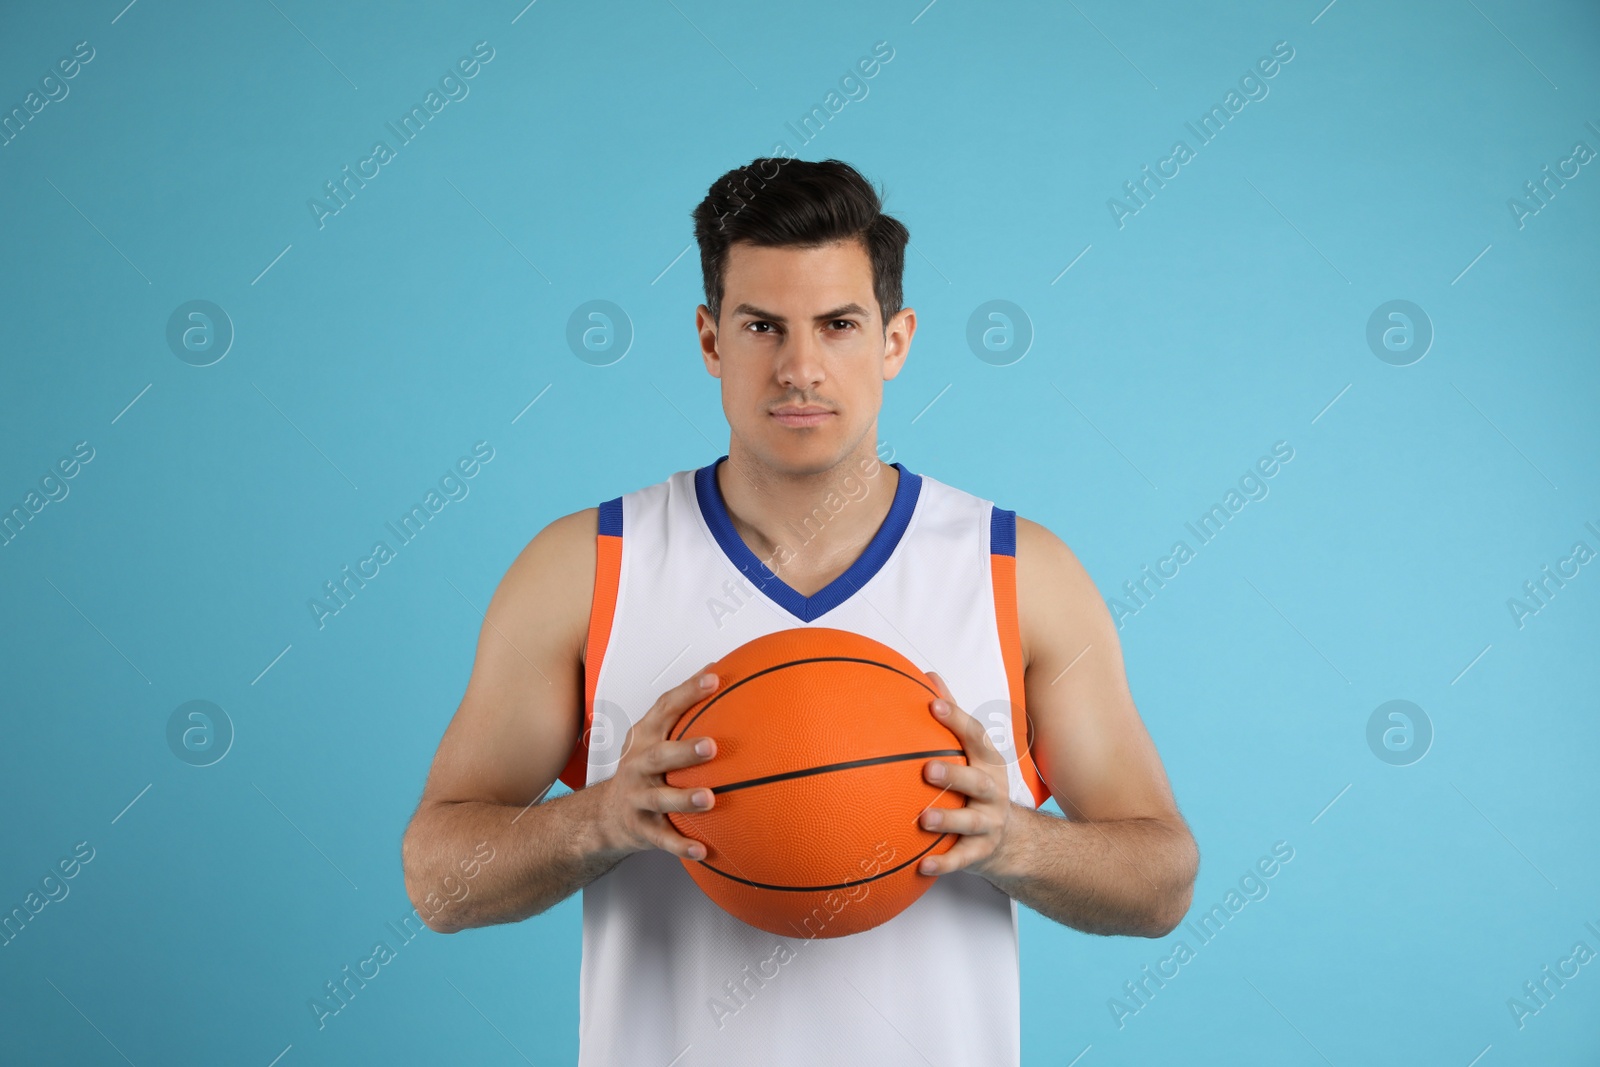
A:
x: 801, y: 328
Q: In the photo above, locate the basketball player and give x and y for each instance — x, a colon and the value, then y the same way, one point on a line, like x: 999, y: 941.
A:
x: 585, y: 640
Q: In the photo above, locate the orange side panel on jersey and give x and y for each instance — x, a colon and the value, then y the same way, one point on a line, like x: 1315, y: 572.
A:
x: 607, y: 573
x: 1004, y: 570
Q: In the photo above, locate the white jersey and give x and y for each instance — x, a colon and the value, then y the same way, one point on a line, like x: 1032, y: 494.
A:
x: 668, y: 977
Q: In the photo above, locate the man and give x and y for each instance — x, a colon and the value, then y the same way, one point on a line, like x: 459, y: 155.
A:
x: 799, y: 524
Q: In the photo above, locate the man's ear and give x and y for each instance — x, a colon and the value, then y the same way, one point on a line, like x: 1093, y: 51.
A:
x: 706, y: 328
x: 897, y: 341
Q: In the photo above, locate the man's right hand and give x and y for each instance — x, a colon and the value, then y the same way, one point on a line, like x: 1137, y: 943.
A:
x: 635, y: 800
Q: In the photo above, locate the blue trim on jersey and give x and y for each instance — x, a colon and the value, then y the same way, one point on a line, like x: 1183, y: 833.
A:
x: 806, y: 608
x: 1002, y: 532
x: 611, y: 517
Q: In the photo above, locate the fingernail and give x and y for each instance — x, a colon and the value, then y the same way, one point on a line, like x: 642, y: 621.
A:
x: 940, y: 708
x: 702, y: 799
x: 927, y: 866
x: 697, y: 852
x: 936, y: 772
x: 933, y: 819
x: 703, y: 746
x: 707, y: 681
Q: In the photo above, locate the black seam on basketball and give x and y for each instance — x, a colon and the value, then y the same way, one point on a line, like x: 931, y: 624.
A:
x: 794, y: 663
x: 820, y: 888
x: 846, y: 765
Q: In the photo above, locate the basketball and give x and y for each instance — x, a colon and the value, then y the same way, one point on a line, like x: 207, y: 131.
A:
x: 821, y: 737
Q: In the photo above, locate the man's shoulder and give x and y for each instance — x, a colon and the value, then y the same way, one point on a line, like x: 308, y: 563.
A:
x: 1057, y: 602
x: 1002, y: 521
x: 551, y: 581
x: 951, y: 491
x: 572, y: 536
x: 571, y: 530
x: 1043, y: 543
x: 647, y: 496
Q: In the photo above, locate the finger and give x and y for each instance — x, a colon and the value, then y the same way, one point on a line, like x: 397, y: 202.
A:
x: 965, y: 851
x: 669, y: 840
x: 974, y: 782
x: 671, y: 705
x: 666, y: 756
x: 665, y: 798
x: 973, y: 735
x: 946, y: 710
x: 968, y: 822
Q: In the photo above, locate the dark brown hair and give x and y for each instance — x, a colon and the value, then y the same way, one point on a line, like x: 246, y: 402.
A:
x: 776, y: 202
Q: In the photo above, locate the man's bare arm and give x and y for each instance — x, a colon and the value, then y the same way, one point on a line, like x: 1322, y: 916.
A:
x: 1123, y: 860
x: 1121, y: 876
x: 517, y: 723
x: 484, y: 847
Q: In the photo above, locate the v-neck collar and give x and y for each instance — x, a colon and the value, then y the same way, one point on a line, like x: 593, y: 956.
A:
x: 714, y: 510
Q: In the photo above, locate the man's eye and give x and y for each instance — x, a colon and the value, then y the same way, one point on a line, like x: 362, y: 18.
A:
x: 760, y: 324
x: 846, y: 322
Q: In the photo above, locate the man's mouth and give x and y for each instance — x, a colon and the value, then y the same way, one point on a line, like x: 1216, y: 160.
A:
x: 802, y: 415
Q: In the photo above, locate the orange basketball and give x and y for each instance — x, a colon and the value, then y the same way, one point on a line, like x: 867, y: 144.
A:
x: 821, y: 739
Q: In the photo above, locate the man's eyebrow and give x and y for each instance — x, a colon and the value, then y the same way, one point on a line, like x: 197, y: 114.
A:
x: 837, y: 313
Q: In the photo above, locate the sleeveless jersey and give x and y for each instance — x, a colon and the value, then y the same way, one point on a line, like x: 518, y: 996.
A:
x: 668, y: 977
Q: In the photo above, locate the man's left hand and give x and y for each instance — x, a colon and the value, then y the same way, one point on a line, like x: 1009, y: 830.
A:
x: 982, y: 823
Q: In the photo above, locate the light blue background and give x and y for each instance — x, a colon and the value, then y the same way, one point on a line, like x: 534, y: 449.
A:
x: 371, y: 353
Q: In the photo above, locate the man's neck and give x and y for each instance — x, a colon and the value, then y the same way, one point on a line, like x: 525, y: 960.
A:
x: 811, y: 527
